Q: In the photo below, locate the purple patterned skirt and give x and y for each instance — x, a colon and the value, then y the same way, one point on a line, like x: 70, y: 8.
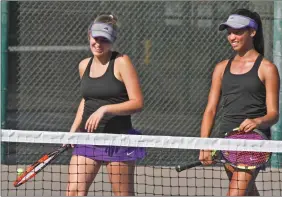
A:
x: 111, y: 153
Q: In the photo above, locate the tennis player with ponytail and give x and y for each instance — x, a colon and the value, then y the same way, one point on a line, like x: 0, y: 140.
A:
x: 110, y: 94
x: 249, y: 86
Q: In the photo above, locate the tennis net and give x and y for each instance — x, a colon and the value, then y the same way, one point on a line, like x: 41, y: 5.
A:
x: 153, y: 175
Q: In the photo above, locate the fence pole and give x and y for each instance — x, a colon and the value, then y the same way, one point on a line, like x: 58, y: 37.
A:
x: 4, y: 56
x: 276, y: 130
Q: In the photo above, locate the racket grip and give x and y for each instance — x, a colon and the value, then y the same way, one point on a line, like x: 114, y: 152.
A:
x: 180, y: 168
x: 68, y: 146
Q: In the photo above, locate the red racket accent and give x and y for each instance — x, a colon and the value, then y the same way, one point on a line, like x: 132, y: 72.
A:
x: 39, y: 165
x: 44, y: 158
x: 23, y: 178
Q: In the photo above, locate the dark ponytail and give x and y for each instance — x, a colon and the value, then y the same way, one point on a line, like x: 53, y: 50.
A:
x: 258, y: 39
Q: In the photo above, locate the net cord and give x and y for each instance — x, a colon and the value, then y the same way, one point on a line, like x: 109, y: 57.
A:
x: 171, y: 142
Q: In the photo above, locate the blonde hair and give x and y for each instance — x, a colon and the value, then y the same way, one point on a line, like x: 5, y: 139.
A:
x: 108, y: 19
x: 104, y: 18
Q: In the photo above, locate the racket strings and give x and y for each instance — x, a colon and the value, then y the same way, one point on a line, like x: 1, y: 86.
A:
x: 246, y: 158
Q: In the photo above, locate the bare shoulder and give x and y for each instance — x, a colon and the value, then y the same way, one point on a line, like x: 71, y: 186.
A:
x: 82, y: 65
x: 123, y: 60
x: 220, y: 67
x: 222, y: 64
x: 123, y: 64
x: 268, y: 66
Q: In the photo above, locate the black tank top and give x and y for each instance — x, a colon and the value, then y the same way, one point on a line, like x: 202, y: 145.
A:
x: 244, y: 96
x: 105, y: 90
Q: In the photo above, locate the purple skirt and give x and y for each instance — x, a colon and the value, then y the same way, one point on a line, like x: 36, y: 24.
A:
x: 111, y: 153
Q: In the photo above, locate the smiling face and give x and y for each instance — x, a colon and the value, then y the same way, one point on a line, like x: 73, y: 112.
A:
x: 99, y: 45
x: 102, y: 33
x: 240, y: 39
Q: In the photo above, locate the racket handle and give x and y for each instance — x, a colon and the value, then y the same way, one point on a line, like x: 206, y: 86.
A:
x: 68, y: 146
x: 180, y: 168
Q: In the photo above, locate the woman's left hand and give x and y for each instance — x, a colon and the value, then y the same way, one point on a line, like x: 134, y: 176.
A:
x: 95, y: 118
x: 248, y: 125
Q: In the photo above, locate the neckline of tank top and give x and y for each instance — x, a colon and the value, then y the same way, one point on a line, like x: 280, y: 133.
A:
x: 253, y: 67
x: 108, y: 66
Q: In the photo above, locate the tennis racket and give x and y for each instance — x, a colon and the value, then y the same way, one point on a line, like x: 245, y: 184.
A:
x: 39, y: 165
x: 183, y: 167
x: 246, y: 160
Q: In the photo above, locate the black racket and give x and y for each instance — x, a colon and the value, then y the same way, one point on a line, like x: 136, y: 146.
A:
x: 183, y: 167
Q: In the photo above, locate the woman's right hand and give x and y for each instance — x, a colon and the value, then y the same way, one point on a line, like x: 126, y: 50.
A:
x: 206, y: 157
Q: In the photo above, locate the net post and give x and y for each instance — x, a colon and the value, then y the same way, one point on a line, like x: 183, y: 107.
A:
x: 4, y: 56
x: 276, y: 130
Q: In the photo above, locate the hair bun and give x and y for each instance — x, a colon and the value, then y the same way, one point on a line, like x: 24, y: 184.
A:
x: 114, y: 18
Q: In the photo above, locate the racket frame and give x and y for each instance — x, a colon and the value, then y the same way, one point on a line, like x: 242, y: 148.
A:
x: 22, y: 178
x: 244, y: 167
x: 218, y: 154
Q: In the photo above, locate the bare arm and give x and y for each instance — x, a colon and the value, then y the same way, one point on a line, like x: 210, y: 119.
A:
x: 211, y: 109
x: 78, y: 117
x: 270, y: 76
x: 129, y: 76
x: 213, y: 100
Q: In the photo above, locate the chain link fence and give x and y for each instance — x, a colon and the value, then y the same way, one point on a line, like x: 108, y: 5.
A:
x: 174, y: 46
